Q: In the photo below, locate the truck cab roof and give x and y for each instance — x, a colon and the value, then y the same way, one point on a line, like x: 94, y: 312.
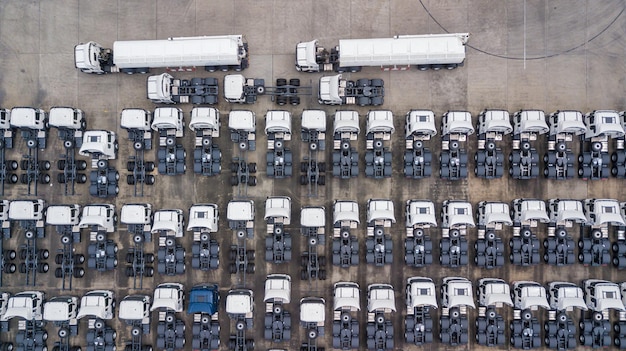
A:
x: 305, y: 54
x: 329, y: 89
x: 603, y: 123
x: 168, y: 118
x: 100, y: 142
x: 567, y: 122
x: 134, y: 307
x: 314, y: 120
x: 136, y: 214
x: 277, y: 122
x: 240, y: 302
x: 61, y: 308
x: 278, y: 288
x: 169, y: 221
x: 420, y: 122
x: 136, y: 118
x: 313, y: 217
x: 527, y: 210
x: 457, y: 291
x: 380, y: 209
x: 26, y: 210
x: 205, y: 118
x: 421, y: 291
x: 242, y: 120
x: 530, y: 121
x: 494, y: 121
x: 63, y: 214
x: 457, y: 213
x: 565, y: 296
x: 278, y: 207
x: 491, y: 212
x: 420, y: 213
x: 346, y: 296
x: 28, y: 118
x: 603, y: 212
x: 98, y: 304
x: 27, y: 305
x: 381, y: 298
x: 66, y: 117
x: 346, y: 211
x: 457, y: 122
x: 168, y: 296
x: 312, y: 310
x: 240, y: 210
x: 233, y: 86
x: 203, y: 216
x: 346, y: 121
x: 601, y: 295
x: 204, y: 299
x: 98, y: 215
x: 529, y: 295
x: 564, y: 210
x: 380, y: 122
x: 494, y: 292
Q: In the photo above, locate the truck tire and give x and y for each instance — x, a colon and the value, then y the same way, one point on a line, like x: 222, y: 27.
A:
x: 281, y: 81
x: 294, y: 100
x: 295, y: 82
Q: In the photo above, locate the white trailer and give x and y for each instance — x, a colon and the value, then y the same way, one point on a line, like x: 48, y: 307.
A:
x: 138, y: 56
x: 434, y: 51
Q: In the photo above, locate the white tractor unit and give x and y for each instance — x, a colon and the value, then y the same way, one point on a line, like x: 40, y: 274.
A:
x: 345, y: 243
x: 418, y: 245
x: 169, y: 123
x: 524, y: 158
x: 493, y: 125
x: 169, y: 224
x: 378, y: 156
x: 345, y: 156
x: 378, y: 245
x: 492, y: 294
x: 279, y: 158
x: 456, y: 219
x: 336, y: 90
x: 456, y: 296
x: 380, y: 305
x: 277, y: 326
x: 419, y: 127
x: 491, y: 217
x: 277, y: 241
x: 456, y: 126
x: 346, y: 305
x: 207, y: 156
x: 526, y: 215
x: 421, y: 297
x: 559, y: 158
x: 165, y: 89
x: 203, y: 220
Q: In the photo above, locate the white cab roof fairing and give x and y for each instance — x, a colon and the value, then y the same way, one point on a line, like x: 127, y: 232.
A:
x: 233, y: 86
x: 166, y: 296
x: 26, y: 209
x: 346, y: 211
x: 380, y: 121
x: 96, y: 215
x: 420, y: 122
x: 346, y: 121
x: 607, y: 294
x: 136, y: 118
x: 380, y: 209
x: 239, y: 301
x: 204, y: 118
x: 240, y: 210
x: 569, y: 296
x: 346, y: 296
x: 458, y: 122
x: 277, y: 122
x: 24, y: 117
x: 460, y: 213
x: 421, y: 212
x: 242, y: 120
x: 57, y: 309
x: 132, y: 309
x: 460, y: 293
x: 496, y: 212
x: 329, y: 88
x: 570, y: 210
x: 313, y: 217
x: 62, y: 116
x: 423, y: 292
x: 497, y: 121
x: 314, y: 120
x: 606, y: 211
x: 380, y: 297
x: 203, y: 216
x: 167, y: 118
x: 305, y: 54
x: 569, y: 122
x: 278, y: 288
x: 93, y: 303
x: 533, y: 295
x: 607, y: 122
x: 135, y: 214
x: 533, y: 210
x: 21, y: 305
x: 532, y: 121
x: 312, y: 310
x: 159, y: 86
x: 97, y: 141
x: 62, y: 215
x: 277, y: 206
x: 166, y: 220
x: 497, y: 291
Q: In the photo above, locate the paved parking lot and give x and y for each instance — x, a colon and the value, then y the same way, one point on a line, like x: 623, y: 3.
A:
x: 549, y: 55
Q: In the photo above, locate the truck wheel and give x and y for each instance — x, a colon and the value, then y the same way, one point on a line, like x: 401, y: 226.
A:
x: 281, y: 81
x: 13, y: 178
x: 295, y: 82
x: 294, y: 100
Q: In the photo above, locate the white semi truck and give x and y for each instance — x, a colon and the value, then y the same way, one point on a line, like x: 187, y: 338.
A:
x: 138, y: 56
x: 434, y: 51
